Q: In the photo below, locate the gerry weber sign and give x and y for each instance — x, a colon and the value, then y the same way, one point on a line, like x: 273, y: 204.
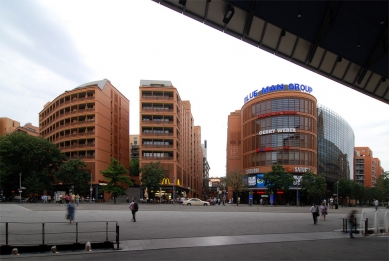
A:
x: 277, y: 130
x: 279, y: 87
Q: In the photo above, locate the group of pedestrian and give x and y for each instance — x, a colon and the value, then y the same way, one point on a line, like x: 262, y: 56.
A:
x: 316, y: 211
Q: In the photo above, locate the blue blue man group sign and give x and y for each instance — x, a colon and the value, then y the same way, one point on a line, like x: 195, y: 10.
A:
x: 279, y: 87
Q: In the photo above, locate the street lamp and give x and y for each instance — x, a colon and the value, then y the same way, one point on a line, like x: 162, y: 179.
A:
x: 20, y: 187
x: 174, y: 192
x: 91, y: 189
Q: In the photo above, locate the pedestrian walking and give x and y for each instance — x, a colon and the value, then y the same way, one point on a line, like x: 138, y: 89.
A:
x: 134, y: 208
x: 77, y: 199
x: 71, y: 210
x: 315, y: 212
x: 49, y: 198
x: 331, y: 203
x: 376, y: 203
x: 352, y: 222
x: 323, y: 209
x: 67, y: 198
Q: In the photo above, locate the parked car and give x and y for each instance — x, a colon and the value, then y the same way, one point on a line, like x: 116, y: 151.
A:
x: 195, y: 202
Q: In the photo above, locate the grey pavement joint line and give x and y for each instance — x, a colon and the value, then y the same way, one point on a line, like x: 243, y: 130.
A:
x: 153, y: 244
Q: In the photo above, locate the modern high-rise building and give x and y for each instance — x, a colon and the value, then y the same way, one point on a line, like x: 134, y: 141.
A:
x: 282, y: 124
x: 336, y: 143
x: 91, y: 123
x: 367, y: 168
x: 168, y: 135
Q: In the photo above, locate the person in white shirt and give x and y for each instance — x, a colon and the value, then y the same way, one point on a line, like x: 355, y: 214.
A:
x: 376, y: 203
x: 331, y: 203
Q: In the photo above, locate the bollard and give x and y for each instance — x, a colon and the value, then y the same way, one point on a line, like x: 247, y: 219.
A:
x: 366, y: 226
x: 117, y: 235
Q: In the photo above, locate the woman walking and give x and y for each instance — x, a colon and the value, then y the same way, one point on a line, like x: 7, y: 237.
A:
x: 323, y: 209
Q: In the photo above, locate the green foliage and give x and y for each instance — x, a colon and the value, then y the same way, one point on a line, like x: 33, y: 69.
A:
x: 234, y: 180
x: 382, y: 184
x: 357, y: 192
x: 134, y: 168
x: 38, y: 182
x: 72, y: 173
x: 313, y: 184
x: 371, y: 194
x: 152, y: 175
x: 31, y: 156
x: 345, y: 188
x: 277, y: 179
x: 116, y: 179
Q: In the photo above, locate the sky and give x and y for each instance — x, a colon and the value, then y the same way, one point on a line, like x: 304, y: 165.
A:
x: 50, y: 46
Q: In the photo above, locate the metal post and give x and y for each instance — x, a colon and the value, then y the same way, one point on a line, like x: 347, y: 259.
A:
x: 366, y: 226
x: 106, y: 231
x: 43, y: 233
x: 174, y: 192
x: 117, y: 235
x: 6, y: 234
x: 76, y: 232
x: 20, y: 187
x: 91, y: 189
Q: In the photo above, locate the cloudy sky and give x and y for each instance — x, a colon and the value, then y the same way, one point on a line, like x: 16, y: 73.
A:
x: 47, y: 47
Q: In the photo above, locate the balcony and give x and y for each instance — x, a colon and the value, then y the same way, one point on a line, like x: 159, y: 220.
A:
x: 156, y: 146
x: 157, y: 158
x: 157, y: 122
x: 157, y: 134
x: 156, y: 109
x: 157, y: 97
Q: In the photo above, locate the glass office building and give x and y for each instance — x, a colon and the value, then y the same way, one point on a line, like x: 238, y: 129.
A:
x: 335, y: 146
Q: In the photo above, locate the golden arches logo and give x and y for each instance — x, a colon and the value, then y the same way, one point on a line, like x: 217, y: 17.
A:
x: 165, y: 181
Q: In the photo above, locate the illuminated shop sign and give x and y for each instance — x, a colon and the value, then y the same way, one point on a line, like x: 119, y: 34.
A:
x: 271, y: 149
x: 250, y: 171
x: 260, y: 181
x: 277, y: 130
x: 276, y: 113
x: 301, y: 169
x: 279, y: 87
x: 297, y: 169
x: 252, y: 181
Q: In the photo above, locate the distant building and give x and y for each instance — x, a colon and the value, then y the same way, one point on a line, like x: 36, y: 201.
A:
x: 91, y: 123
x: 8, y: 125
x: 367, y: 168
x: 168, y: 135
x: 29, y: 129
x: 134, y: 154
x: 206, y: 169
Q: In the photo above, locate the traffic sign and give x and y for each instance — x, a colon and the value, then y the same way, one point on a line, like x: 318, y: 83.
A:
x: 23, y: 188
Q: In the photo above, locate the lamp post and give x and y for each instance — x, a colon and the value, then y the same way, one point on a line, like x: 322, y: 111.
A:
x: 174, y: 192
x: 91, y: 189
x: 20, y: 187
x: 297, y: 191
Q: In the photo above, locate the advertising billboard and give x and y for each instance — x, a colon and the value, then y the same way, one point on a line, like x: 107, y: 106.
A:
x: 260, y: 182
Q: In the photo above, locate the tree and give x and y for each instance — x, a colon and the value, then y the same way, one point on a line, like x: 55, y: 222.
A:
x: 116, y: 179
x: 72, y: 173
x: 28, y: 155
x: 357, y: 192
x: 234, y: 180
x: 134, y: 168
x: 382, y: 184
x: 313, y: 184
x: 277, y: 179
x: 38, y: 182
x: 345, y: 188
x: 152, y: 175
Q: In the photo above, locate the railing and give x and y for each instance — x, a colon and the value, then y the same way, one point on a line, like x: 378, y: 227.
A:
x: 27, y: 233
x: 157, y: 122
x: 157, y: 133
x: 157, y: 97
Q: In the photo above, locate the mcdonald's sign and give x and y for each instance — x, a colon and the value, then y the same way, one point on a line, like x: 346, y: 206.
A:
x: 165, y: 181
